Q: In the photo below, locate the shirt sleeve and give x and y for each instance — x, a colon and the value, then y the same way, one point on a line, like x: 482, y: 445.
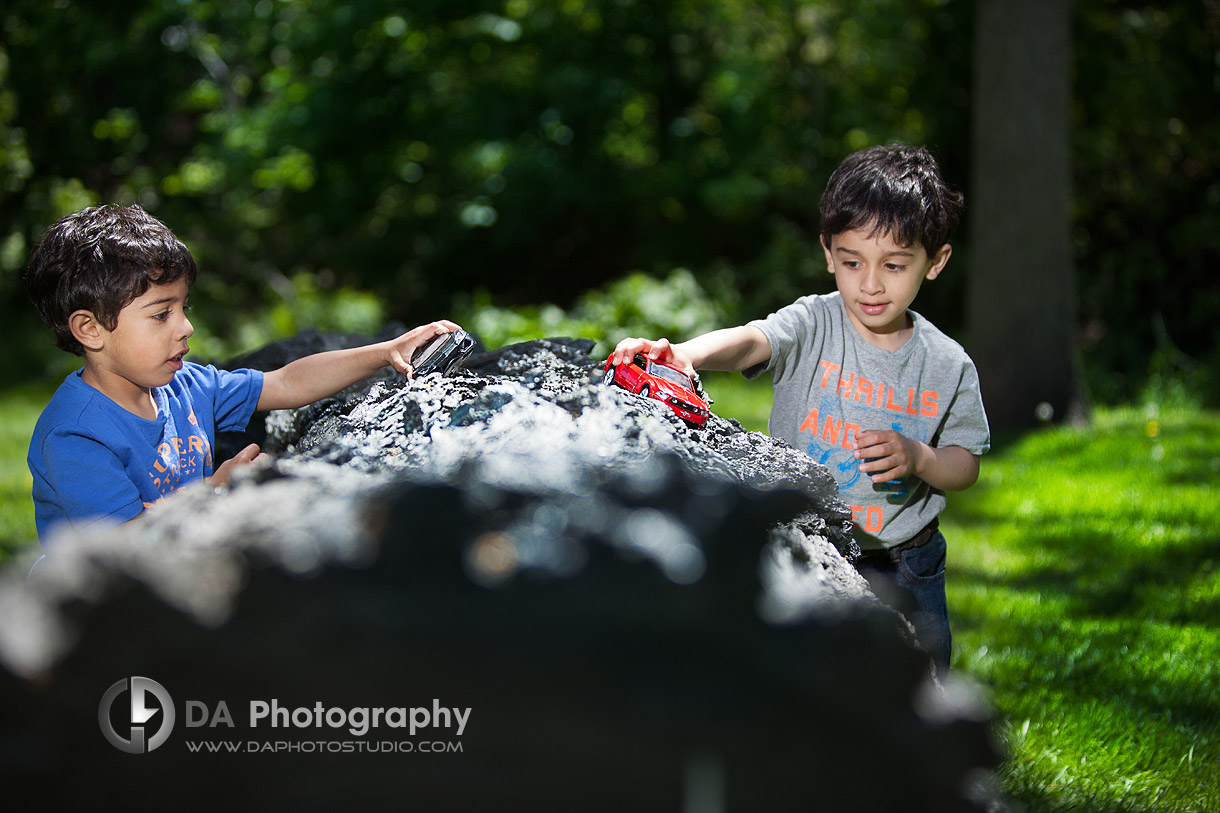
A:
x: 237, y: 394
x: 784, y: 330
x: 965, y: 424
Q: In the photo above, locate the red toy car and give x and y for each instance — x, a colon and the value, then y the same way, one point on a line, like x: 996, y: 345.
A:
x: 656, y: 379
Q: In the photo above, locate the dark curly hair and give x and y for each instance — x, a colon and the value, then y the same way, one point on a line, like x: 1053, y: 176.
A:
x: 100, y: 259
x: 894, y: 189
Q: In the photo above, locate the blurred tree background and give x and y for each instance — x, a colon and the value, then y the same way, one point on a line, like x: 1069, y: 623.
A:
x: 586, y: 165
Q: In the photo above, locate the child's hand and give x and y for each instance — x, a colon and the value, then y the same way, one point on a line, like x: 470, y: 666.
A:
x: 247, y: 456
x: 659, y: 350
x: 887, y: 454
x: 402, y: 348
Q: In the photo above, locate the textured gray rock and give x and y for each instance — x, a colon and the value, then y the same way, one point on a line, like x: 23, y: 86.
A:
x: 637, y: 613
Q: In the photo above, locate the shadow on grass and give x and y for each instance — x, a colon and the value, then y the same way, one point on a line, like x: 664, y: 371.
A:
x: 1096, y: 576
x: 1138, y: 672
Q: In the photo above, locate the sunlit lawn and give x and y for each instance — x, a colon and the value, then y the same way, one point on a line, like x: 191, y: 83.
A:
x: 1084, y: 588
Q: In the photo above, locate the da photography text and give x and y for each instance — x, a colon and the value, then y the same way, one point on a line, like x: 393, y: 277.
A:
x: 358, y: 721
x: 145, y: 721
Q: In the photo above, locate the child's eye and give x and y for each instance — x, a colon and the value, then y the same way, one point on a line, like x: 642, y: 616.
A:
x: 162, y: 316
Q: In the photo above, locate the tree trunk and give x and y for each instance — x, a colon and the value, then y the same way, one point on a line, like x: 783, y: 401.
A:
x: 1022, y: 288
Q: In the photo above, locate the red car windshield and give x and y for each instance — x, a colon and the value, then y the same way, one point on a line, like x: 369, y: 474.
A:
x: 671, y: 375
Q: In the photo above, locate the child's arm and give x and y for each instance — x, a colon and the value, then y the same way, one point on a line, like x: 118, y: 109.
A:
x: 733, y: 348
x: 307, y: 379
x: 892, y: 456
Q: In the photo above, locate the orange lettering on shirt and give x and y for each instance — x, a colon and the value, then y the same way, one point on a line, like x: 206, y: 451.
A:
x: 197, y: 444
x: 849, y: 435
x: 872, y: 517
x: 177, y: 445
x: 828, y: 371
x: 811, y: 422
x: 864, y: 388
x: 930, y: 407
x: 880, y: 393
x: 845, y: 386
x: 889, y: 402
x: 911, y: 410
x: 831, y: 430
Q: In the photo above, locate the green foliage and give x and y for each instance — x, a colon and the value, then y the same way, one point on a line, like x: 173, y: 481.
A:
x: 419, y: 151
x: 304, y: 301
x: 677, y: 307
x: 1146, y: 152
x: 1084, y: 589
x: 534, y: 150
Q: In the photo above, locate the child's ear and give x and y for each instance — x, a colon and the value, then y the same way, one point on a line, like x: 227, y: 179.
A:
x: 830, y: 262
x: 939, y: 259
x: 86, y: 329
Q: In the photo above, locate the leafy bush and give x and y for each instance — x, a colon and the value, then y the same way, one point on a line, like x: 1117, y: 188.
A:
x: 677, y: 307
x: 302, y: 302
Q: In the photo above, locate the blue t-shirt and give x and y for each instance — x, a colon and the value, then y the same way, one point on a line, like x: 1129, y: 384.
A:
x: 92, y: 459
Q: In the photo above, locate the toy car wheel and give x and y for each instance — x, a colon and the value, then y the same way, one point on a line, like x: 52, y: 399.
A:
x: 644, y: 390
x: 608, y: 379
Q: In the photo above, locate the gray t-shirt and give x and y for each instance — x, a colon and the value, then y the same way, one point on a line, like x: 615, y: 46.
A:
x: 830, y: 383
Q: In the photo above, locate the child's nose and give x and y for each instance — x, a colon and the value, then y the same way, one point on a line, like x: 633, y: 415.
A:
x: 872, y: 282
x: 188, y: 329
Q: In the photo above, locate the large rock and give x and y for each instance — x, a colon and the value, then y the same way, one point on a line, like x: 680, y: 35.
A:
x: 635, y: 613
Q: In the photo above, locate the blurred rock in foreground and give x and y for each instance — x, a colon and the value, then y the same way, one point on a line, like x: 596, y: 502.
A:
x: 631, y: 614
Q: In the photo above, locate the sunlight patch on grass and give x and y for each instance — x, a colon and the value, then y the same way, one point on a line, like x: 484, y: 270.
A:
x: 1084, y: 590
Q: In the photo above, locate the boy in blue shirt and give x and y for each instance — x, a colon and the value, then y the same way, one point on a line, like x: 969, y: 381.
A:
x: 867, y: 386
x: 138, y: 422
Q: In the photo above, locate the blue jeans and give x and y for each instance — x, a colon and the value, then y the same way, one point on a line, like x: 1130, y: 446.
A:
x: 913, y: 582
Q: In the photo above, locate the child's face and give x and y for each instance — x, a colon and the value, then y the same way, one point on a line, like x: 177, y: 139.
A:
x: 148, y: 342
x: 878, y: 280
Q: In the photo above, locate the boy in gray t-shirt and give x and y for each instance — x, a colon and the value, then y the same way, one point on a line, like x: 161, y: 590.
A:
x: 867, y: 386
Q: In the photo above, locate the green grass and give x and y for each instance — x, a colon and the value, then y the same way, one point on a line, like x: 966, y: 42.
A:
x: 19, y: 410
x: 748, y: 402
x: 1084, y: 590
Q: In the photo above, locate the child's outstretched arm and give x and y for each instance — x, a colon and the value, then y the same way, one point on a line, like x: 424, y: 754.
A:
x: 307, y: 379
x: 890, y: 455
x: 733, y: 349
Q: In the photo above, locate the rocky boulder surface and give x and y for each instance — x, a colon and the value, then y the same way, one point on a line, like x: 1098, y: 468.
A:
x: 632, y: 612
